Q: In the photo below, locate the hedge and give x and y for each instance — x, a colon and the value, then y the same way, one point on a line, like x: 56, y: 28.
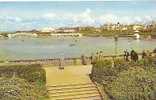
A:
x: 105, y: 71
x: 16, y: 89
x: 123, y: 80
x: 33, y: 73
x: 134, y: 84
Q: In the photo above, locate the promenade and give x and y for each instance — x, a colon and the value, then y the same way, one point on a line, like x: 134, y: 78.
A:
x: 71, y: 83
x: 70, y: 74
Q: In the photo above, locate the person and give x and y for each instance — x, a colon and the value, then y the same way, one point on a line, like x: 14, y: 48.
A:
x: 132, y: 55
x: 92, y: 58
x: 136, y: 56
x: 61, y: 60
x: 126, y: 55
x: 97, y: 55
x: 83, y: 60
x: 100, y: 55
x: 144, y: 54
x: 145, y: 57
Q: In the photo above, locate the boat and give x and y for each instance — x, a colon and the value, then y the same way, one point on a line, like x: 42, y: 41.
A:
x: 71, y: 45
x: 136, y: 34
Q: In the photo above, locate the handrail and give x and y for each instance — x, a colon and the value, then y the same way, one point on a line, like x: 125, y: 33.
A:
x: 66, y: 61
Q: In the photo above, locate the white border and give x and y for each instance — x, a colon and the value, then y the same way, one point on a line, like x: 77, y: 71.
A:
x: 69, y: 0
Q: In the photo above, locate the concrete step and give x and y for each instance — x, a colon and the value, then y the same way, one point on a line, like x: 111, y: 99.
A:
x: 79, y: 91
x: 72, y: 90
x: 69, y: 85
x: 79, y: 97
x: 68, y: 88
x: 74, y: 93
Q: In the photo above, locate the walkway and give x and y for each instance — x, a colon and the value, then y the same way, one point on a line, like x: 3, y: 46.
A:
x: 72, y: 83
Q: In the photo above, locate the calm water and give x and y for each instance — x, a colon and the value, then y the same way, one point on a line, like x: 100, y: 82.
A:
x: 29, y: 48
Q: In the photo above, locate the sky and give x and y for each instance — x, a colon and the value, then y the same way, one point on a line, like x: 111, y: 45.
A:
x: 16, y: 16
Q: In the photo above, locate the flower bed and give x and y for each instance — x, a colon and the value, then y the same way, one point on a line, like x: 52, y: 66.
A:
x: 32, y: 73
x: 104, y: 71
x: 34, y: 78
x: 134, y: 84
x: 126, y: 80
x: 16, y: 89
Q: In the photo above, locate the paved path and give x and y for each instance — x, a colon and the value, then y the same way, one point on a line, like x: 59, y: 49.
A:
x: 70, y: 74
x: 70, y: 83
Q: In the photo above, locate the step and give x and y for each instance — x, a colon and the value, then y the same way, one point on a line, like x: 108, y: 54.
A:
x: 79, y: 91
x: 74, y: 93
x: 73, y: 90
x: 79, y: 97
x: 69, y: 88
x: 64, y: 85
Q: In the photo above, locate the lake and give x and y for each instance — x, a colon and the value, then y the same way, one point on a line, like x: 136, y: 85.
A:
x: 52, y: 47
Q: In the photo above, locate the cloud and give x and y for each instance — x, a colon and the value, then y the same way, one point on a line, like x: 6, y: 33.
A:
x: 84, y: 18
x: 49, y: 15
x: 108, y: 18
x: 11, y: 18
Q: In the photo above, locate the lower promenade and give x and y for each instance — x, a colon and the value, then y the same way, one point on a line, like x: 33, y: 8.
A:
x: 67, y: 61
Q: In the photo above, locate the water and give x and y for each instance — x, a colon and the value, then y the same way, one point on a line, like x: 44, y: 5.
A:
x: 52, y: 47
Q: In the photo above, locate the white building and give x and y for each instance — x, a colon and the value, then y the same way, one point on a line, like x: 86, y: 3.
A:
x: 66, y: 30
x: 137, y: 27
x: 48, y: 29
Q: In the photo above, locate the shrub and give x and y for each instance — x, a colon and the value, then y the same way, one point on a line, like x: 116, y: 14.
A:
x: 16, y: 89
x: 32, y: 73
x: 134, y: 84
x: 101, y: 70
x: 107, y: 70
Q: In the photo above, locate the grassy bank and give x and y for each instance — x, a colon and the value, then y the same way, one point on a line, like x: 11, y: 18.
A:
x: 126, y: 80
x: 22, y: 81
x: 94, y: 33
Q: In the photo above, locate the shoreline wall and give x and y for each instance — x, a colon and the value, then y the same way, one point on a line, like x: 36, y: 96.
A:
x: 66, y: 61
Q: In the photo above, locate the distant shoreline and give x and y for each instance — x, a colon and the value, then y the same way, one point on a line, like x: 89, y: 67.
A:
x: 143, y: 35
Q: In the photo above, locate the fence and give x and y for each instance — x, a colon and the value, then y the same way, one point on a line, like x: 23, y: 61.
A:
x: 56, y: 61
x: 66, y: 61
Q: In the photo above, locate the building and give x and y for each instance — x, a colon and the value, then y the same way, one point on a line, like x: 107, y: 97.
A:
x: 138, y: 27
x: 66, y: 30
x: 48, y: 29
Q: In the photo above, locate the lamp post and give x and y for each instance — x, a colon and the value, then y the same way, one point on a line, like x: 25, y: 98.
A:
x: 116, y: 44
x: 61, y: 62
x: 116, y: 38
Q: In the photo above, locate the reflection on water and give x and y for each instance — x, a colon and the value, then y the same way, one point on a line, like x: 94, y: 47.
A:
x: 28, y: 48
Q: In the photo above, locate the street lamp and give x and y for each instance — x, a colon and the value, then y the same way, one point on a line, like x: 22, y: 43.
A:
x: 116, y: 44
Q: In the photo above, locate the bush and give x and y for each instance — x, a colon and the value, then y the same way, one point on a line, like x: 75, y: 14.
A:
x: 32, y: 73
x: 134, y: 84
x: 106, y: 70
x: 16, y: 89
x: 126, y: 80
x: 101, y: 70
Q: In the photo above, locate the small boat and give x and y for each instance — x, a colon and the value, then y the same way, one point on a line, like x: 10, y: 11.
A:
x: 136, y: 34
x: 72, y: 44
x: 22, y: 40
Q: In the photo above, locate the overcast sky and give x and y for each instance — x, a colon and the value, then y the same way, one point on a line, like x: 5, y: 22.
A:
x: 36, y: 15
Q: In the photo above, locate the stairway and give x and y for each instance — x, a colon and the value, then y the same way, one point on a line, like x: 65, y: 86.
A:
x: 78, y: 91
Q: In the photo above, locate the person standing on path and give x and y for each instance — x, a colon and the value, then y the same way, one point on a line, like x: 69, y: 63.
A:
x: 126, y: 55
